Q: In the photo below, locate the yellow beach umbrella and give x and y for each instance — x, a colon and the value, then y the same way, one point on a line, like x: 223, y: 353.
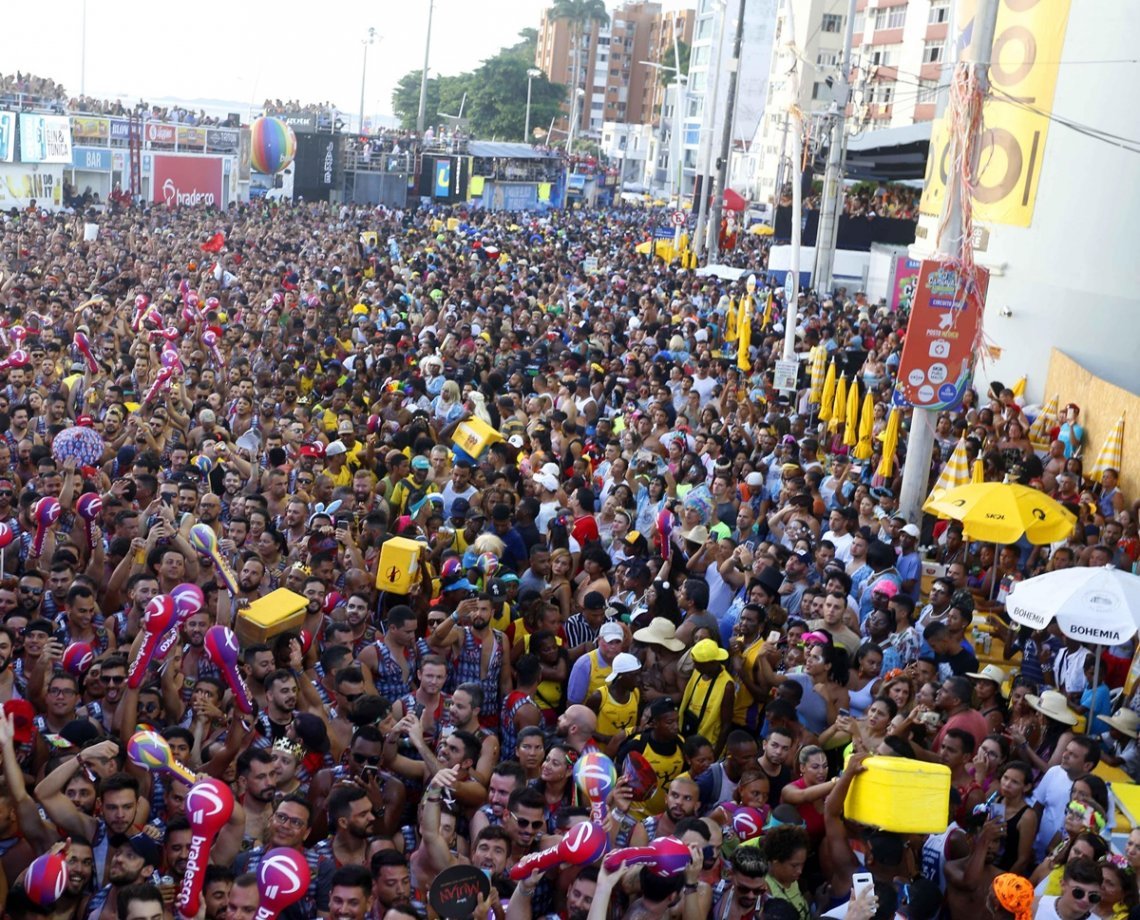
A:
x: 760, y: 230
x: 955, y: 472
x: 1046, y: 419
x: 865, y: 448
x: 851, y: 431
x: 1111, y: 452
x: 978, y: 473
x: 1019, y: 387
x: 890, y: 439
x: 818, y: 372
x: 827, y: 399
x: 998, y: 512
x: 838, y: 405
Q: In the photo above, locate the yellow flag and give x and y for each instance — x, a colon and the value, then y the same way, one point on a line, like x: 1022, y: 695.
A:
x: 730, y: 331
x: 744, y: 328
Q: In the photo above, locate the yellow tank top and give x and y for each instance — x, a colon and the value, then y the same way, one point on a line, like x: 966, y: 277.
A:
x: 703, y: 699
x: 667, y: 767
x: 502, y: 619
x: 743, y: 700
x: 614, y: 717
x: 550, y: 693
x: 598, y: 673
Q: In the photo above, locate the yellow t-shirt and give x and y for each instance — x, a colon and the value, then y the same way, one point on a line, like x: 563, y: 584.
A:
x: 614, y: 717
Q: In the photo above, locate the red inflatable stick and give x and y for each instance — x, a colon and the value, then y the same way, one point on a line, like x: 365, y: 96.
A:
x: 209, y: 805
x: 156, y: 621
x: 221, y: 647
x: 582, y: 844
x: 282, y: 880
x: 666, y: 856
x: 47, y: 513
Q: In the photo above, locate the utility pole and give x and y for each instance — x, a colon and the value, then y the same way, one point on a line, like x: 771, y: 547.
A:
x: 795, y: 116
x: 421, y: 117
x: 704, y: 156
x: 920, y: 444
x: 726, y: 138
x: 83, y: 55
x: 780, y: 168
x: 827, y: 231
x: 364, y: 73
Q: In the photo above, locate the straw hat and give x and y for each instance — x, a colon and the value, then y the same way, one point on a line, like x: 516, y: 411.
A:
x: 991, y: 672
x: 1126, y: 722
x: 1052, y: 705
x: 660, y: 632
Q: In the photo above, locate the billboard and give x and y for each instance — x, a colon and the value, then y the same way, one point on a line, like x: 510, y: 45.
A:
x: 21, y: 184
x: 937, y: 362
x: 221, y: 140
x: 7, y: 136
x: 90, y: 128
x: 300, y: 122
x: 313, y: 166
x: 92, y: 159
x: 158, y: 134
x: 901, y: 294
x: 184, y: 180
x: 45, y: 139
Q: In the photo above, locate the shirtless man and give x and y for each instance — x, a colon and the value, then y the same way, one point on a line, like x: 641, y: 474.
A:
x: 968, y: 879
x: 661, y: 652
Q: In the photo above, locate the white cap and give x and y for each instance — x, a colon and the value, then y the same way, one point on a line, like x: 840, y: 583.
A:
x: 550, y: 469
x: 624, y: 663
x: 335, y: 448
x: 548, y: 482
x: 911, y: 530
x: 611, y: 632
x: 754, y: 479
x: 515, y: 440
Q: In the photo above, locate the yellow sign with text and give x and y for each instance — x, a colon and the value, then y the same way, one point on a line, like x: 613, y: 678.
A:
x: 1026, y: 56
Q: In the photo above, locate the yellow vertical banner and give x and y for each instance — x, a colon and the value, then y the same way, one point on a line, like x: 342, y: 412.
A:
x: 744, y: 330
x: 1028, y: 41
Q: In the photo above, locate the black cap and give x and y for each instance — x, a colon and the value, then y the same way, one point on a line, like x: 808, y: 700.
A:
x: 594, y: 601
x: 501, y: 512
x: 39, y: 625
x: 147, y: 848
x: 661, y: 706
x: 459, y: 507
x: 311, y: 732
x: 80, y: 732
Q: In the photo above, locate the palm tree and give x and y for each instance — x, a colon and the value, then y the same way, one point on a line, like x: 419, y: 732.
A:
x: 581, y: 14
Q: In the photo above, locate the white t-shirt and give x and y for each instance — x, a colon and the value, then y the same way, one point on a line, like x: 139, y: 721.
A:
x: 1054, y: 791
x: 1047, y: 909
x: 842, y: 545
x: 704, y: 387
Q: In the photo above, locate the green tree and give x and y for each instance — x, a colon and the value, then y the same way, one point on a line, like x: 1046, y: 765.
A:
x: 580, y: 14
x: 665, y: 72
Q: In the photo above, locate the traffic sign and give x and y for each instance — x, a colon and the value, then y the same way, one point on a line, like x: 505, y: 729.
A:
x: 678, y: 218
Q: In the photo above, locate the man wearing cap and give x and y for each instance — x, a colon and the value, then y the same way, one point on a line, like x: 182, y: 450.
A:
x: 411, y: 488
x: 132, y: 864
x: 618, y: 701
x: 795, y: 582
x: 591, y: 670
x: 1118, y: 745
x: 660, y: 744
x: 909, y: 564
x: 707, y: 704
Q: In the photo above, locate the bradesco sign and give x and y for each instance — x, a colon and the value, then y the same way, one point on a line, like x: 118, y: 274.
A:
x: 182, y: 181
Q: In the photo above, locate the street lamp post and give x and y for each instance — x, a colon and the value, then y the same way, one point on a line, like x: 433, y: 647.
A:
x: 675, y: 167
x: 421, y: 116
x: 530, y: 75
x: 370, y: 40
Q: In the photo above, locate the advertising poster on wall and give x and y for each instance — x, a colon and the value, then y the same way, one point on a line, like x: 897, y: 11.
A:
x: 45, y: 138
x: 184, y: 180
x: 906, y: 277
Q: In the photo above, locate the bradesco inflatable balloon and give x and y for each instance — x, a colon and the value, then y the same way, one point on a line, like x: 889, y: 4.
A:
x: 272, y: 145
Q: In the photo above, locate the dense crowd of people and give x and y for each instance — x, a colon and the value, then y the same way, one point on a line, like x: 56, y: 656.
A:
x: 638, y: 548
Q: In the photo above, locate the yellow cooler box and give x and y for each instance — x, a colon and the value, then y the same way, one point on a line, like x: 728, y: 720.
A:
x: 399, y: 565
x: 279, y: 611
x: 473, y: 436
x: 902, y: 795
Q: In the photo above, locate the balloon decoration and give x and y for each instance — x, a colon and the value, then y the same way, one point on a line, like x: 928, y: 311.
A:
x: 666, y: 857
x: 205, y: 541
x: 596, y: 777
x: 282, y: 880
x: 747, y: 822
x: 17, y: 358
x: 157, y: 620
x: 83, y: 444
x: 161, y: 380
x: 222, y: 649
x: 6, y: 538
x: 151, y: 751
x: 46, y: 879
x: 46, y: 513
x: 77, y: 658
x: 210, y: 338
x: 89, y: 507
x: 209, y: 805
x: 272, y: 145
x: 582, y: 845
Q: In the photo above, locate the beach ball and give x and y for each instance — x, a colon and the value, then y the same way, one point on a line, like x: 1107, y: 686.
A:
x: 272, y: 145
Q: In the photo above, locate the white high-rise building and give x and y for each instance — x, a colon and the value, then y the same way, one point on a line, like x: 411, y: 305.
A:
x: 707, y: 60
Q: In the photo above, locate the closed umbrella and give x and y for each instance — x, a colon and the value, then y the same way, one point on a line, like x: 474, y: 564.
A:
x: 865, y: 448
x: 955, y: 472
x: 890, y: 439
x: 1043, y: 424
x: 818, y: 372
x: 1111, y: 452
x: 1019, y: 387
x: 827, y: 400
x: 998, y: 512
x: 978, y: 473
x: 851, y: 430
x: 839, y: 405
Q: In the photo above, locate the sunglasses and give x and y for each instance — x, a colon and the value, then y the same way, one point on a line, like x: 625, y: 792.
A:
x: 35, y: 591
x: 116, y: 680
x: 1084, y: 894
x: 524, y: 824
x: 352, y: 698
x: 363, y: 759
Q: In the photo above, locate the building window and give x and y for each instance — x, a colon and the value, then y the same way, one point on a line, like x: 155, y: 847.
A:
x: 927, y: 91
x: 939, y: 12
x: 832, y: 22
x: 827, y: 59
x: 859, y: 22
x: 932, y: 52
x: 819, y: 91
x: 883, y: 57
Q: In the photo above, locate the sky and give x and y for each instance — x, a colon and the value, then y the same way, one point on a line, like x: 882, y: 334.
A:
x: 243, y: 52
